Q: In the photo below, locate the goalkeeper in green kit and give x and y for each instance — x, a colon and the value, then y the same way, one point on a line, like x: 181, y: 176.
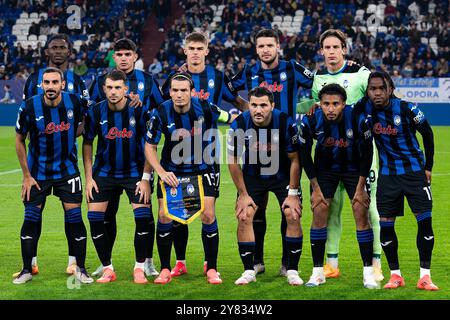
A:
x: 353, y: 78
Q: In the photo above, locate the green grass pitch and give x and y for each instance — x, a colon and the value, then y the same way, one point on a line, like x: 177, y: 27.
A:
x: 51, y: 283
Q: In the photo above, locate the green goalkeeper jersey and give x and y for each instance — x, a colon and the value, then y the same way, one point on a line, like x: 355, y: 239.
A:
x: 352, y: 78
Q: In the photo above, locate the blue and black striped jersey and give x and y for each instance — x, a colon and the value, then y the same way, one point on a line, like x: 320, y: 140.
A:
x: 264, y: 150
x: 394, y: 129
x: 139, y: 82
x: 284, y: 82
x: 211, y: 85
x: 74, y: 84
x: 52, y: 150
x: 340, y: 144
x: 120, y: 144
x: 192, y: 129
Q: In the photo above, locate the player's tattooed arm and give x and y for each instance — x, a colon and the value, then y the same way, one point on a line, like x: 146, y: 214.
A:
x: 151, y: 154
x: 87, y: 162
x: 28, y: 180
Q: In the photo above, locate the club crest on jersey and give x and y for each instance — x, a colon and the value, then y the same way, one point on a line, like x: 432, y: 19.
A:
x: 140, y: 86
x: 190, y: 189
x: 345, y: 84
x: 132, y: 121
x: 211, y: 83
x: 70, y: 114
x: 349, y: 133
x: 70, y: 86
x: 173, y: 192
x: 283, y: 76
x: 397, y: 120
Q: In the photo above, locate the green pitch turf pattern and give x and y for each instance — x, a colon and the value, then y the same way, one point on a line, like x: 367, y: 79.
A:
x: 51, y: 283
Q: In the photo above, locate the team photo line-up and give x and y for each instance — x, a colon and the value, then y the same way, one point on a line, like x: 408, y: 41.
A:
x: 366, y: 146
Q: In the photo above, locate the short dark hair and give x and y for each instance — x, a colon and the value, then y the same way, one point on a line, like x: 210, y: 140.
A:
x: 116, y: 75
x: 333, y: 33
x: 59, y: 36
x: 385, y: 77
x: 54, y: 70
x: 125, y: 44
x: 261, y: 92
x: 333, y: 89
x: 196, y: 37
x: 267, y: 33
x: 182, y: 76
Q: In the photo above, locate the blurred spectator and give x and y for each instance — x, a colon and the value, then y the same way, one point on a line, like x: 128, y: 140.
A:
x: 80, y: 68
x: 442, y: 68
x: 139, y: 64
x: 161, y: 12
x: 8, y: 97
x: 155, y: 68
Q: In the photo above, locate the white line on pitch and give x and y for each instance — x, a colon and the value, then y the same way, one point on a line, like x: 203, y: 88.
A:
x: 9, y: 172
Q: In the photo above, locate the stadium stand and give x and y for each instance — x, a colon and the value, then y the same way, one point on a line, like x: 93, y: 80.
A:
x: 407, y: 38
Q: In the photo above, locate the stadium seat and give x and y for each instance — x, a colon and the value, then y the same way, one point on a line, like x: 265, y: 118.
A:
x: 287, y: 19
x: 32, y: 37
x: 217, y: 19
x: 300, y: 13
x: 296, y: 25
x: 24, y: 15
x: 277, y: 19
x: 286, y: 24
x: 382, y: 29
x: 213, y: 7
x: 22, y: 38
x: 43, y: 14
x: 433, y: 41
x: 221, y: 7
x: 34, y: 15
x: 42, y: 37
x: 371, y: 8
x: 298, y: 19
x: 424, y: 40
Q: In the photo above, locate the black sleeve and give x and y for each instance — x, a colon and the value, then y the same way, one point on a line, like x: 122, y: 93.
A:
x: 366, y: 142
x: 428, y: 144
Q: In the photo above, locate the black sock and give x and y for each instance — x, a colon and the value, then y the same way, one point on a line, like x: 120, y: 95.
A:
x: 28, y: 235
x: 389, y: 243
x: 425, y: 239
x: 318, y: 240
x: 99, y: 236
x: 77, y: 235
x: 164, y: 237
x: 294, y: 248
x: 259, y: 228
x: 142, y: 232
x: 210, y: 237
x: 247, y: 252
x: 151, y: 228
x: 180, y: 239
x: 365, y: 241
x: 283, y: 228
x: 110, y: 219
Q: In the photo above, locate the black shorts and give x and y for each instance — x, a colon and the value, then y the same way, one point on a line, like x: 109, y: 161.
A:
x: 217, y: 179
x: 258, y: 188
x: 116, y: 193
x: 328, y: 182
x: 392, y: 190
x: 208, y: 179
x: 67, y: 189
x: 111, y: 187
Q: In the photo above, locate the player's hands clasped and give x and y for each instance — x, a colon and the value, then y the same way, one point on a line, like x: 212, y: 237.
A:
x: 293, y: 203
x: 143, y: 189
x: 90, y: 184
x: 362, y: 197
x: 242, y: 205
x: 169, y: 178
x: 27, y: 184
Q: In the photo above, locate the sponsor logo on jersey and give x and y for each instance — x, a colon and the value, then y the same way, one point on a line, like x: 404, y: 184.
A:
x: 114, y: 133
x: 379, y: 129
x: 52, y: 127
x: 202, y: 95
x: 275, y: 87
x: 332, y: 142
